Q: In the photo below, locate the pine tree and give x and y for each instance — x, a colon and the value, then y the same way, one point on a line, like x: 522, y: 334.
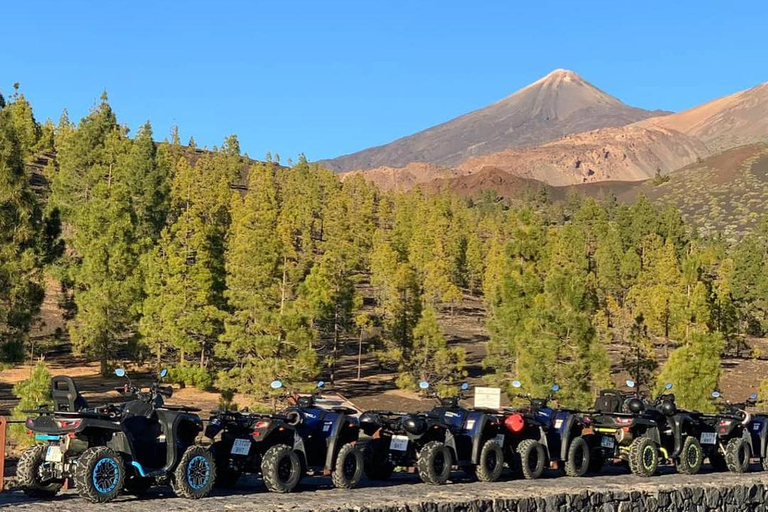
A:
x: 32, y: 393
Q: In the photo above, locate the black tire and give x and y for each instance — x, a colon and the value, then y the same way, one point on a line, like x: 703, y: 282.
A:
x: 531, y: 458
x: 99, y: 474
x: 691, y: 457
x: 643, y: 457
x: 737, y: 455
x: 491, y: 462
x: 281, y: 468
x: 349, y: 467
x: 596, y: 460
x: 195, y: 474
x: 717, y: 460
x: 28, y: 474
x: 577, y: 463
x: 226, y: 477
x: 434, y: 463
x: 376, y: 461
x: 138, y: 486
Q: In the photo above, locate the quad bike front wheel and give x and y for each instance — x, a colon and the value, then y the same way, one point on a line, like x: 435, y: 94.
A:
x: 99, y: 474
x: 691, y: 456
x: 195, y: 474
x: 31, y: 474
x: 737, y: 455
x: 531, y: 458
x: 434, y: 463
x: 491, y: 462
x: 349, y: 467
x: 643, y: 457
x: 578, y: 461
x: 281, y: 468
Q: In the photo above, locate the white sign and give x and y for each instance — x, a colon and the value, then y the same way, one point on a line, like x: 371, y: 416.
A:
x: 399, y: 443
x: 53, y: 453
x: 488, y: 398
x: 241, y: 447
x: 708, y: 438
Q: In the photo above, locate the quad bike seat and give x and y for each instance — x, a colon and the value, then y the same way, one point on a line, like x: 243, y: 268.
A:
x: 66, y: 397
x: 609, y: 401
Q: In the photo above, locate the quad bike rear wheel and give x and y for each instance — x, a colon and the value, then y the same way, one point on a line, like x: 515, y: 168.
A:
x: 349, y: 467
x: 531, y: 458
x: 195, y: 474
x: 281, y: 468
x: 434, y: 463
x: 99, y: 474
x: 578, y: 460
x: 376, y: 460
x: 643, y: 457
x: 31, y: 474
x: 691, y: 456
x: 491, y: 462
x: 737, y: 455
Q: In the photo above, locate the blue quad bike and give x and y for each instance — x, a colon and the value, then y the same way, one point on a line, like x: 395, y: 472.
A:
x: 407, y: 440
x: 540, y: 436
x: 115, y: 448
x: 324, y: 442
x: 739, y: 436
x: 473, y: 436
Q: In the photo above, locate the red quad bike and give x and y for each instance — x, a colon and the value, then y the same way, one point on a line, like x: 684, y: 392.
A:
x: 113, y: 448
x: 538, y: 436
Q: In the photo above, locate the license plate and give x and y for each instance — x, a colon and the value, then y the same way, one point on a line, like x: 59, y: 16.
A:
x: 500, y: 439
x: 607, y: 442
x: 399, y: 443
x: 53, y: 454
x: 708, y: 438
x: 558, y: 423
x: 241, y: 447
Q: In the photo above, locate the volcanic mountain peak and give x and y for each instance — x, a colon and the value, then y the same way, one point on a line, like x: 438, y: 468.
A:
x: 558, y: 104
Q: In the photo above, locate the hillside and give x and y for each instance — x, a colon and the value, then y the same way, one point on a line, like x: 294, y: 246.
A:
x: 558, y: 104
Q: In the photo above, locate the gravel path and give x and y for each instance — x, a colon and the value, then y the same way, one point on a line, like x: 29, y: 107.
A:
x: 404, y: 491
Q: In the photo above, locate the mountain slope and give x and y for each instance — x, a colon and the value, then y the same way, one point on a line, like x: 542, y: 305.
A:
x: 561, y: 103
x: 727, y: 122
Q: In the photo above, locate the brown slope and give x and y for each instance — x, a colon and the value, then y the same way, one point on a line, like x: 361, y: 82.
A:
x: 506, y: 185
x: 727, y: 122
x: 561, y: 103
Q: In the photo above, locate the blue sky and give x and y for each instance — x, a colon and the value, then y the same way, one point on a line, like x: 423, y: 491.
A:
x: 328, y: 77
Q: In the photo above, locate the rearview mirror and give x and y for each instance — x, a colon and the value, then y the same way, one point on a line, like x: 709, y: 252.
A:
x: 630, y: 383
x: 163, y: 373
x: 464, y: 386
x: 423, y: 384
x: 715, y: 394
x: 555, y: 388
x: 753, y: 396
x: 668, y: 386
x: 120, y: 372
x: 516, y: 384
x: 276, y: 384
x: 321, y: 384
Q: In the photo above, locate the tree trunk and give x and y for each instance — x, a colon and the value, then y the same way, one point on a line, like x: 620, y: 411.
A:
x: 360, y: 354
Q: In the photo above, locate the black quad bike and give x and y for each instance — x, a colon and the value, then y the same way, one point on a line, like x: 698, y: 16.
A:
x: 739, y: 436
x: 408, y: 440
x: 116, y: 447
x: 474, y: 437
x: 538, y: 436
x: 323, y: 442
x: 646, y: 434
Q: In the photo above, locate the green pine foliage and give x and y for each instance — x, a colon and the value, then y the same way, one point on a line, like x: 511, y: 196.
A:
x: 32, y: 393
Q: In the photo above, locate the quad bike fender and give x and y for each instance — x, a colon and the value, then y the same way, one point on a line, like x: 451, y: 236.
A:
x: 682, y: 426
x: 568, y: 432
x: 545, y: 442
x: 450, y: 443
x: 180, y: 430
x: 479, y: 434
x: 653, y: 434
x: 343, y: 430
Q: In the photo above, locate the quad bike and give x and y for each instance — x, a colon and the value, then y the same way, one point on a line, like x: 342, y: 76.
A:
x: 647, y: 434
x: 538, y: 436
x: 474, y: 437
x: 113, y: 448
x: 244, y: 440
x: 324, y: 442
x: 401, y: 439
x: 739, y: 436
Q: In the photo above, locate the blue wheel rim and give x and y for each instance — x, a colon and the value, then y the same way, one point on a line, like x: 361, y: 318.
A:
x: 198, y: 472
x: 105, y: 475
